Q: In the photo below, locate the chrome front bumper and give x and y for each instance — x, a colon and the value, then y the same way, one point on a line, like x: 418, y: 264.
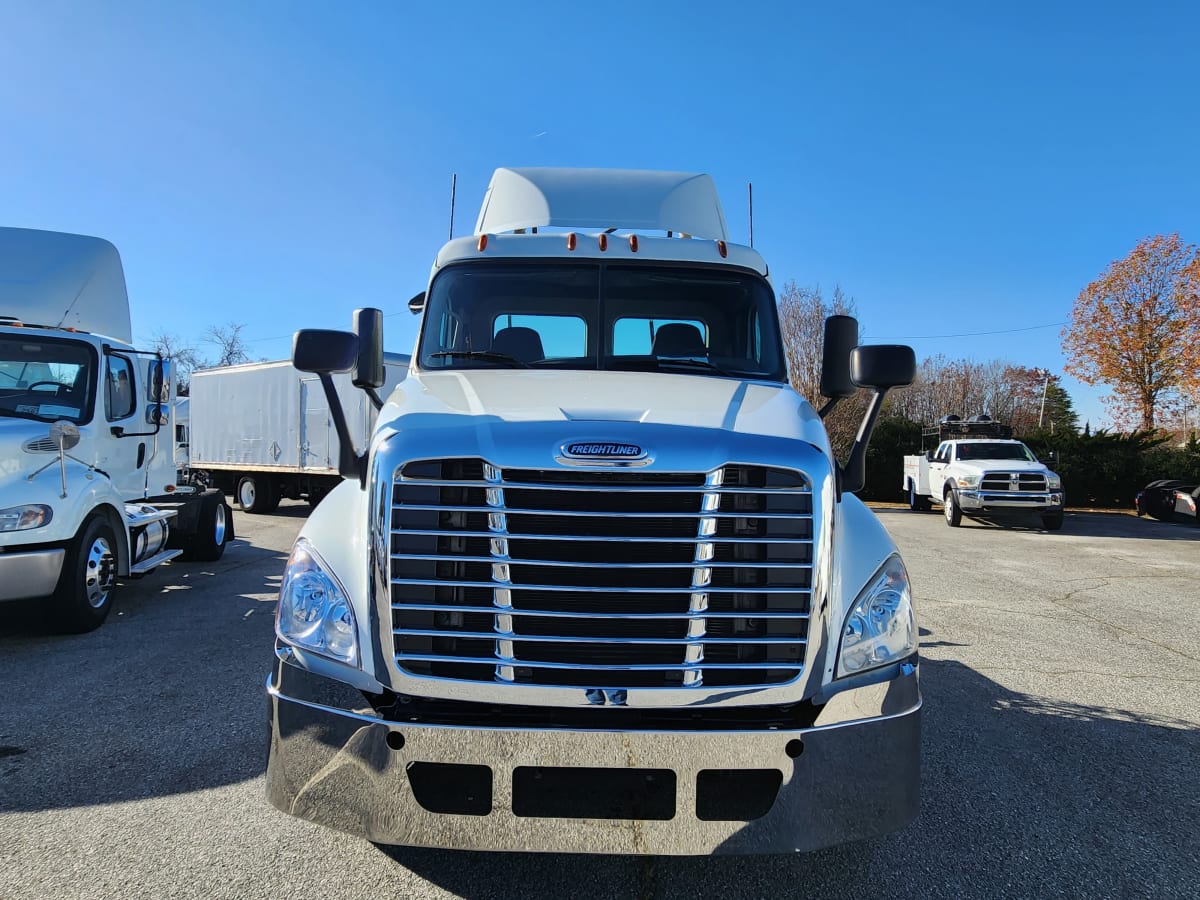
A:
x: 854, y: 774
x: 30, y: 573
x: 1010, y: 501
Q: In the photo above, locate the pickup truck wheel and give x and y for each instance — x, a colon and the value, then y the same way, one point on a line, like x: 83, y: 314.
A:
x: 214, y: 529
x: 1052, y: 521
x: 83, y: 598
x: 951, y: 509
x: 257, y: 494
x: 916, y: 502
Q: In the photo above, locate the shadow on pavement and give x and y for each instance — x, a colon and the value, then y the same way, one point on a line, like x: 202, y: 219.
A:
x: 1021, y: 796
x: 1076, y: 523
x: 166, y: 697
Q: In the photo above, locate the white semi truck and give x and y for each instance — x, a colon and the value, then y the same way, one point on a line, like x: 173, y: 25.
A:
x: 88, y: 489
x: 263, y: 431
x: 598, y: 583
x: 977, y: 469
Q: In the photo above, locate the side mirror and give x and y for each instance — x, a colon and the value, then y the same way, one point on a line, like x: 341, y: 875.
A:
x: 324, y: 352
x: 880, y: 367
x: 368, y: 368
x: 883, y: 366
x: 841, y: 337
x: 417, y: 304
x: 929, y: 454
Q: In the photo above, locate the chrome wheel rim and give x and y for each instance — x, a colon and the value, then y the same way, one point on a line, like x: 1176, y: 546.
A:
x: 948, y: 506
x: 100, y: 572
x: 219, y: 528
x: 246, y: 493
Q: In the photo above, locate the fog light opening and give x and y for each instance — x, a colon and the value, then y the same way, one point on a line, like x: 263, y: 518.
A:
x: 794, y: 747
x: 395, y: 740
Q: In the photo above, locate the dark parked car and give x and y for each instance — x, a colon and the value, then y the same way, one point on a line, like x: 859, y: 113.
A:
x: 1166, y: 499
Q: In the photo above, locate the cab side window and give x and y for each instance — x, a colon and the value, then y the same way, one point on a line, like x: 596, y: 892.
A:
x: 119, y: 400
x: 943, y: 454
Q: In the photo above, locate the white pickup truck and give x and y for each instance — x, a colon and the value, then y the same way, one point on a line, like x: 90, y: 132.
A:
x: 984, y: 476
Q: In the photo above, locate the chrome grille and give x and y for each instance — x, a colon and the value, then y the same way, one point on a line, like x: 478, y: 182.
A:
x: 600, y: 579
x: 1013, y: 481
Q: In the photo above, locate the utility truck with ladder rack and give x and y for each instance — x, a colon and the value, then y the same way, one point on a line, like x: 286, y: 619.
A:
x: 977, y: 469
x: 597, y: 583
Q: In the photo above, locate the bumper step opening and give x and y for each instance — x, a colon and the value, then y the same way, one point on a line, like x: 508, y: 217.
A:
x: 736, y: 795
x: 451, y: 788
x: 582, y: 793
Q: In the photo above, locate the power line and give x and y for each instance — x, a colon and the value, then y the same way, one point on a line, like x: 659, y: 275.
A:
x: 926, y: 337
x: 284, y: 337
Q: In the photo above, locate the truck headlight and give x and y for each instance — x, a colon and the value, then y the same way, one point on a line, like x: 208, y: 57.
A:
x: 880, y: 628
x: 1053, y: 482
x: 22, y: 518
x: 968, y: 481
x: 314, y: 612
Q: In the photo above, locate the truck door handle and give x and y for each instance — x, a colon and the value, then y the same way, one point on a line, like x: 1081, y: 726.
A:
x: 141, y: 454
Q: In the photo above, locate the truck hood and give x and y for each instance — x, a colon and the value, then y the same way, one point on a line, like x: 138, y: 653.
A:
x: 631, y: 398
x: 14, y: 459
x: 999, y: 465
x: 521, y: 417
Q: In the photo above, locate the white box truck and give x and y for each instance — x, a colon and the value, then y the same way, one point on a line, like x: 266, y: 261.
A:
x: 88, y: 490
x: 263, y: 431
x: 598, y: 583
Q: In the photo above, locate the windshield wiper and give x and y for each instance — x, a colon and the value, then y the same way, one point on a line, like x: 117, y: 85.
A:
x: 690, y: 362
x: 481, y: 354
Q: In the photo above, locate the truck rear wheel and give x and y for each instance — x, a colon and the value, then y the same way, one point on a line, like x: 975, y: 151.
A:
x: 951, y: 508
x: 83, y: 598
x: 257, y: 494
x: 214, y: 529
x: 916, y: 502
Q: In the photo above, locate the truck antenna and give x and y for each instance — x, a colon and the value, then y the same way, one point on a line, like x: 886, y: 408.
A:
x: 453, y: 185
x: 750, y: 200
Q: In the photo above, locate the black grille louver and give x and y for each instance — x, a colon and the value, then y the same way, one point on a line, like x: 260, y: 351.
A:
x: 1013, y: 481
x: 601, y: 579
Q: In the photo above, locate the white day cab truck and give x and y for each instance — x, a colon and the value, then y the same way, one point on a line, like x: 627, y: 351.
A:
x: 88, y: 488
x: 597, y: 583
x: 978, y: 470
x: 263, y: 432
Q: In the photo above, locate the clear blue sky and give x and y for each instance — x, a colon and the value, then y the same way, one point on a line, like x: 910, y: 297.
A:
x: 956, y: 167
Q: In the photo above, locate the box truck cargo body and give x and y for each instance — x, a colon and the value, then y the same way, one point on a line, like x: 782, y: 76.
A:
x: 263, y: 431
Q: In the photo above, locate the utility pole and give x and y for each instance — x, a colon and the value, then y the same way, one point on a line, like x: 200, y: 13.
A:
x: 1045, y: 386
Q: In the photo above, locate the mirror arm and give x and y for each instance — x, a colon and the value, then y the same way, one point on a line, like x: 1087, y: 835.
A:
x: 350, y: 464
x: 854, y: 472
x: 828, y: 407
x: 375, y: 399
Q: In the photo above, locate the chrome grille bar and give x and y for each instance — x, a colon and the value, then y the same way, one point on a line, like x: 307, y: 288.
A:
x: 592, y: 537
x: 558, y: 613
x: 507, y: 586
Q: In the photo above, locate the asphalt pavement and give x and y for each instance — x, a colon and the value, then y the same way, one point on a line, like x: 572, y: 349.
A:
x: 1061, y: 674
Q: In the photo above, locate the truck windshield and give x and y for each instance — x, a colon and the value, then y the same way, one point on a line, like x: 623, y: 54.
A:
x: 45, y: 379
x: 704, y: 321
x: 996, y: 450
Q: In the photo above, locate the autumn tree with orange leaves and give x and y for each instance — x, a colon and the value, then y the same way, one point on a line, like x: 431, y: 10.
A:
x: 1136, y: 328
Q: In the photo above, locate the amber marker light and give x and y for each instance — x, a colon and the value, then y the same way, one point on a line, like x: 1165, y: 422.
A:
x: 722, y: 249
x: 603, y: 242
x: 482, y: 242
x: 571, y: 241
x: 633, y: 242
